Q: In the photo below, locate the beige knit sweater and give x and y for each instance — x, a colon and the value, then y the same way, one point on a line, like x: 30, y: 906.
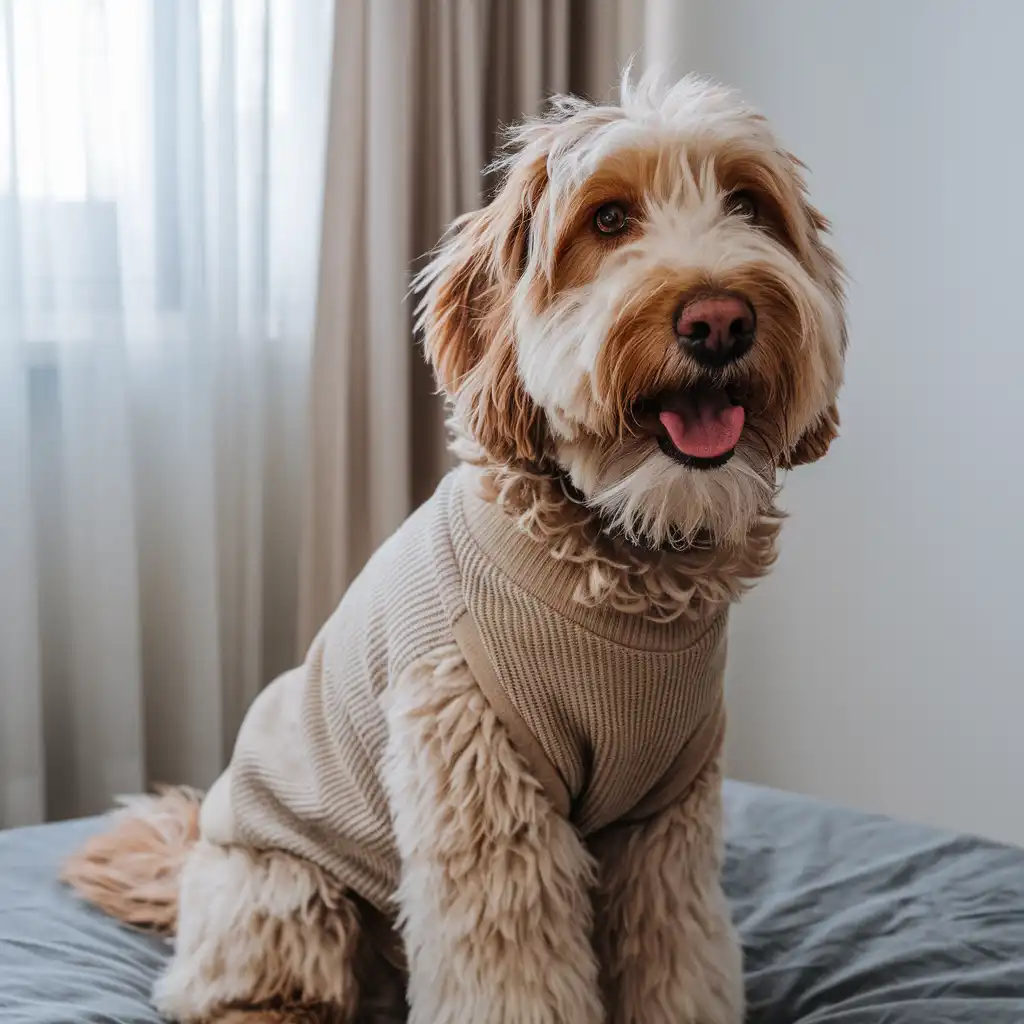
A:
x: 613, y: 713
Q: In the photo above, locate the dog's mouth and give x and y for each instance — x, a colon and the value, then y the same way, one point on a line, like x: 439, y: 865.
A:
x: 698, y: 427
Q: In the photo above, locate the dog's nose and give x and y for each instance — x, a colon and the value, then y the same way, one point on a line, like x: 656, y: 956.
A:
x: 716, y: 329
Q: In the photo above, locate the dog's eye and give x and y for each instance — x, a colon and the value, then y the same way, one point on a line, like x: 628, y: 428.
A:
x: 610, y: 219
x: 742, y: 204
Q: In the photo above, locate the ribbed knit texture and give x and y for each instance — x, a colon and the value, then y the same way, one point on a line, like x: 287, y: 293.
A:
x: 616, y: 703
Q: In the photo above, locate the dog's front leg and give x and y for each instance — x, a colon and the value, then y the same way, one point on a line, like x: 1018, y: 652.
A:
x: 668, y: 950
x: 495, y: 893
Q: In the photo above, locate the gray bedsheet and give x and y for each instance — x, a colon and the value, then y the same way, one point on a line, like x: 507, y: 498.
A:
x: 845, y: 918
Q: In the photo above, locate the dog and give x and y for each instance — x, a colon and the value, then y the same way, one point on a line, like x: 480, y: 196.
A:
x: 492, y: 792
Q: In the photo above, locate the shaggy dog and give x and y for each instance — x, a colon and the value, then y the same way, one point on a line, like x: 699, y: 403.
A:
x: 639, y: 331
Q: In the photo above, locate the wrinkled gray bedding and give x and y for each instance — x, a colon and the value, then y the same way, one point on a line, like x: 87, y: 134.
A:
x: 845, y: 918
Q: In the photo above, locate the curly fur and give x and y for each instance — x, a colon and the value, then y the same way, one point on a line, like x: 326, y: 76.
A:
x: 547, y: 341
x: 661, y: 585
x: 132, y: 871
x: 495, y: 887
x: 255, y: 928
x: 668, y: 949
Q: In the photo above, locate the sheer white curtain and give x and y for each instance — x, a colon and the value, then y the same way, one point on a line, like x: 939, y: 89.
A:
x: 160, y: 195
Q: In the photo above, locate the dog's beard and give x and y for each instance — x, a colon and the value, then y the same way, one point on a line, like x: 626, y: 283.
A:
x: 647, y: 497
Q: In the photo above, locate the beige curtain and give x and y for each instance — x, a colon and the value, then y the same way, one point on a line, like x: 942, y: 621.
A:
x: 420, y: 90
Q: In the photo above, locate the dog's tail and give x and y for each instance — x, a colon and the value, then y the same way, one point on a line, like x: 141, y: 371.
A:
x: 132, y: 870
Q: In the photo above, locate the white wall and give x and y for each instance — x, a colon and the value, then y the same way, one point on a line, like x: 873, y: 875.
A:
x: 883, y: 663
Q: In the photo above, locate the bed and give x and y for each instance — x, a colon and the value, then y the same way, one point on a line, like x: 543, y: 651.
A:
x: 845, y: 917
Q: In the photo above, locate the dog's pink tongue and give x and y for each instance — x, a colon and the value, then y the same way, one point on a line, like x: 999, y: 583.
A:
x: 704, y: 429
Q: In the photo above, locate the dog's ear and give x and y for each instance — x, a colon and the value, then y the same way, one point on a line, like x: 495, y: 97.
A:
x: 815, y: 442
x: 825, y: 267
x: 466, y: 318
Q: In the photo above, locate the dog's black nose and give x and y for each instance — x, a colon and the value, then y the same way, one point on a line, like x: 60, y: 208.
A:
x: 716, y: 328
